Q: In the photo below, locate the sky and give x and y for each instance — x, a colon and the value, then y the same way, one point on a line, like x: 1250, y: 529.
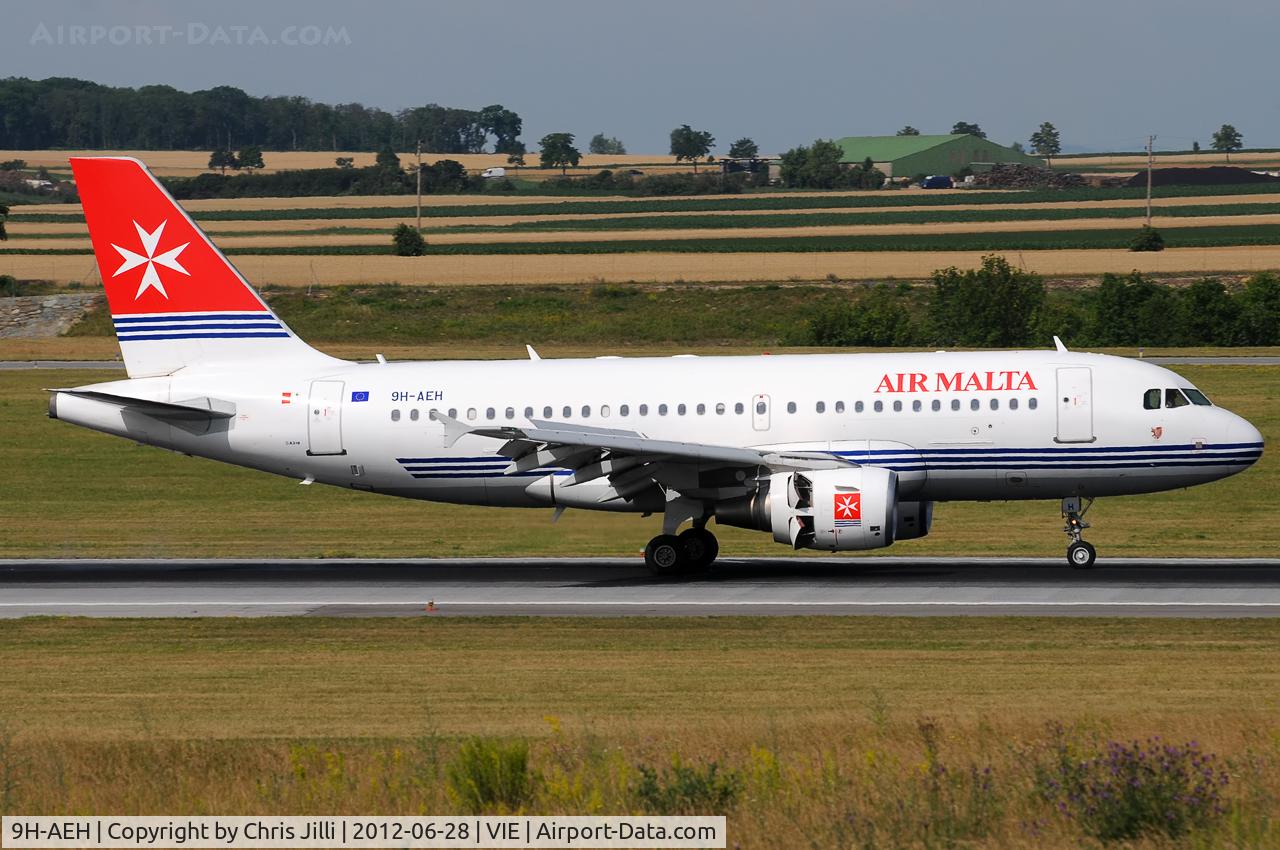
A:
x: 1105, y: 73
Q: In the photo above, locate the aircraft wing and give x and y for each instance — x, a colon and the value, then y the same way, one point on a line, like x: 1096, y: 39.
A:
x: 629, y: 458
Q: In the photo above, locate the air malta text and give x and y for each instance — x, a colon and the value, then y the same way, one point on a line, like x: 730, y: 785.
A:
x: 944, y: 382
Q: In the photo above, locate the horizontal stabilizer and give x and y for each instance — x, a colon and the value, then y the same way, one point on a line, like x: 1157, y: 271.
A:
x: 191, y: 409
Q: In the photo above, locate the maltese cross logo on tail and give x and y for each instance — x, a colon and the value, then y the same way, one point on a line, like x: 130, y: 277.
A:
x: 150, y: 242
x: 848, y: 509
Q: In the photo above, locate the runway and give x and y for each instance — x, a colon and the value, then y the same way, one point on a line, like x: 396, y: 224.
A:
x: 622, y: 587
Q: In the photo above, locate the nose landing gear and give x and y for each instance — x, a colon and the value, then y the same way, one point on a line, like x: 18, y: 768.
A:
x: 1080, y: 555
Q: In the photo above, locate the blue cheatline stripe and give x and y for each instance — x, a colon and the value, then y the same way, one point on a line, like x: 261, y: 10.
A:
x: 261, y: 315
x: 216, y: 335
x: 225, y: 326
x: 489, y: 458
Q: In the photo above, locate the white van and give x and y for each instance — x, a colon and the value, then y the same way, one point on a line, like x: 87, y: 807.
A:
x: 494, y: 172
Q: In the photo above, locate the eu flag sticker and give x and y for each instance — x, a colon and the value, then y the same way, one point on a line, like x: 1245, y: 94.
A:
x: 359, y: 395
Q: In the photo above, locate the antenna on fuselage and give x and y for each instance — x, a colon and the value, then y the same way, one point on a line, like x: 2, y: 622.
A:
x: 1057, y: 343
x: 533, y: 355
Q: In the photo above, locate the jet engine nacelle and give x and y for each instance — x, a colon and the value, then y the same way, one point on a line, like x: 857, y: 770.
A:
x: 914, y: 519
x: 834, y: 509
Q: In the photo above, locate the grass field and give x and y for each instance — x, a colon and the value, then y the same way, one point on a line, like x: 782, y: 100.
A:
x: 166, y: 505
x: 824, y: 732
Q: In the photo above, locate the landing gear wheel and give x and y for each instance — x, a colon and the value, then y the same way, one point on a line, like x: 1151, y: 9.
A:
x: 700, y: 547
x: 664, y: 555
x: 1081, y: 555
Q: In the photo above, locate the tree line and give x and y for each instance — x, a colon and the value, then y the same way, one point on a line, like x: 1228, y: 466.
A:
x: 62, y: 112
x: 999, y: 306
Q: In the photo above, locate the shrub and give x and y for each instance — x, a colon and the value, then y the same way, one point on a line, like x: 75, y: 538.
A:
x: 1259, y: 322
x: 992, y: 307
x: 1148, y: 239
x: 1134, y: 789
x: 880, y: 319
x: 487, y: 774
x: 408, y: 242
x: 684, y: 789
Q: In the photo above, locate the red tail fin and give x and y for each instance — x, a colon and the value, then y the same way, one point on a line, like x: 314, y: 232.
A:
x: 175, y: 299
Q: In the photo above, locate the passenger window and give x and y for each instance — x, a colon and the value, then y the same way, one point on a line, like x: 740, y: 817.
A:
x: 453, y: 413
x: 839, y: 407
x: 761, y: 407
x: 1032, y: 403
x: 546, y: 412
x: 955, y: 404
x: 739, y: 409
x: 1198, y: 397
x: 821, y: 407
x: 395, y: 415
x: 1013, y: 404
x: 528, y: 413
x: 413, y: 415
x: 857, y: 407
x: 568, y: 411
x: 1151, y: 400
x: 791, y: 407
x: 702, y: 409
x: 433, y: 415
x: 604, y: 411
x: 490, y: 413
x: 937, y: 405
x: 586, y: 411
x: 897, y: 407
x: 511, y: 413
x: 471, y: 413
x: 720, y: 408
x: 681, y: 409
x: 644, y: 410
x: 995, y: 404
x: 624, y: 410
x: 879, y: 406
x: 1175, y: 398
x: 974, y: 404
x: 915, y: 406
x: 662, y: 410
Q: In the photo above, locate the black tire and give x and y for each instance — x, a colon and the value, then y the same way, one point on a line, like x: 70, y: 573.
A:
x: 1081, y: 555
x: 700, y: 547
x: 664, y: 555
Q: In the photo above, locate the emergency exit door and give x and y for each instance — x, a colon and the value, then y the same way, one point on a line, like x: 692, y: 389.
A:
x: 324, y: 411
x: 760, y: 413
x: 1075, y: 405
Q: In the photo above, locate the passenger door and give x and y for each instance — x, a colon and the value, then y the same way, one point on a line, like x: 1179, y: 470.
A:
x: 324, y: 424
x: 1075, y: 405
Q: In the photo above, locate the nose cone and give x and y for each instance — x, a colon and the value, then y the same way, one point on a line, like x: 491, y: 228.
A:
x: 1242, y: 433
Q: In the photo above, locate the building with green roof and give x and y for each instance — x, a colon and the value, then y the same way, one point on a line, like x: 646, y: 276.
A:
x: 907, y: 156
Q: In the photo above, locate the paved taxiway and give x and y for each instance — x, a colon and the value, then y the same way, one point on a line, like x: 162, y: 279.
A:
x: 622, y: 587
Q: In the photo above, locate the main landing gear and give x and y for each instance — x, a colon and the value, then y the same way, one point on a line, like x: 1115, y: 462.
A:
x: 1080, y: 555
x: 690, y: 551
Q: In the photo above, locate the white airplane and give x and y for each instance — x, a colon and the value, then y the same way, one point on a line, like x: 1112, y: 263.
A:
x: 833, y: 451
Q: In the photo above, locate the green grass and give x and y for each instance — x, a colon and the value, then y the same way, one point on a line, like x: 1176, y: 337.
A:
x: 75, y: 493
x: 1182, y: 237
x: 757, y: 201
x: 824, y: 732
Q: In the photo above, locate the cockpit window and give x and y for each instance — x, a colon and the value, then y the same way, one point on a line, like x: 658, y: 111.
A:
x: 1151, y: 400
x: 1174, y: 398
x: 1197, y: 397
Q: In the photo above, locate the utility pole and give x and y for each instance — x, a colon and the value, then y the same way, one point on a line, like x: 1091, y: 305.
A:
x: 420, y: 190
x: 1150, y: 141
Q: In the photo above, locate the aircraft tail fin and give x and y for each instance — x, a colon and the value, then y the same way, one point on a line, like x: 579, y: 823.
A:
x: 175, y: 299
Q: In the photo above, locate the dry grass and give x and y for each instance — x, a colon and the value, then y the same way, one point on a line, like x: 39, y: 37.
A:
x: 659, y: 267
x: 18, y: 243
x: 823, y: 721
x: 1182, y: 160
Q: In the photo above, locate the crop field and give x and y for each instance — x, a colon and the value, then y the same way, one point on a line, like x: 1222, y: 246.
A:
x: 166, y: 505
x: 868, y: 732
